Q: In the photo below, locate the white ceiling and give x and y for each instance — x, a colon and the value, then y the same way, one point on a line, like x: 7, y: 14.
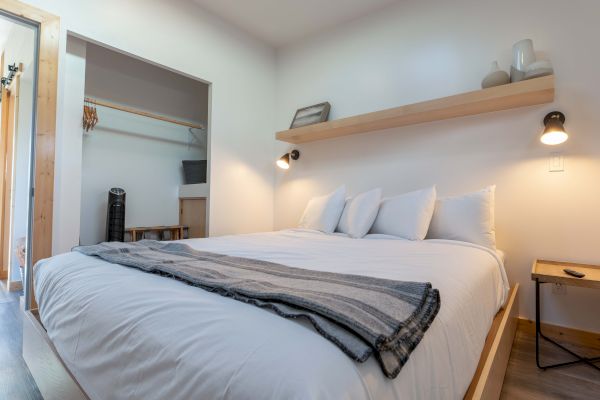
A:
x: 280, y: 22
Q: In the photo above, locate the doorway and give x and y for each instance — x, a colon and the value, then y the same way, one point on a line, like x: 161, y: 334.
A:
x: 149, y: 139
x: 18, y: 44
x: 28, y: 68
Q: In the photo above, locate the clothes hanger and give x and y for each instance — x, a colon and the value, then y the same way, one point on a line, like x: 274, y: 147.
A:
x: 90, y: 115
x: 86, y: 115
x: 95, y: 118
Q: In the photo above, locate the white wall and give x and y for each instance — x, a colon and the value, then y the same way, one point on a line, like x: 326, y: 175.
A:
x: 419, y: 50
x: 180, y: 35
x: 138, y: 154
x: 18, y: 47
x: 413, y: 51
x: 69, y: 144
x: 126, y: 80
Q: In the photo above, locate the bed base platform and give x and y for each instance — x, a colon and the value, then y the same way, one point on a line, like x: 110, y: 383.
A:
x: 56, y: 382
x: 489, y: 376
x: 51, y: 375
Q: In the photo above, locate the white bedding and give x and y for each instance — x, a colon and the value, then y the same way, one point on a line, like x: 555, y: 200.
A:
x: 126, y: 334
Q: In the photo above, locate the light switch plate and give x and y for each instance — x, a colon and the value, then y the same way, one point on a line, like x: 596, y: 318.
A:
x: 557, y: 162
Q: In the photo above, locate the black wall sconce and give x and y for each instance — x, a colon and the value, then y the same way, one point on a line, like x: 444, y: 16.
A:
x: 554, y: 131
x: 284, y: 161
x: 12, y: 71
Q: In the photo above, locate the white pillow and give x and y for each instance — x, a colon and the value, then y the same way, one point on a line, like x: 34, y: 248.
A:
x: 323, y: 213
x: 468, y: 218
x: 407, y: 216
x: 359, y: 213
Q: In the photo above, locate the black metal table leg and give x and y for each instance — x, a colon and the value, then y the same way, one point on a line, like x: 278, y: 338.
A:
x: 537, y: 323
x: 538, y: 334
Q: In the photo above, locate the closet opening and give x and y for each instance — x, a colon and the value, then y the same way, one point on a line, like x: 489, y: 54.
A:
x: 145, y: 160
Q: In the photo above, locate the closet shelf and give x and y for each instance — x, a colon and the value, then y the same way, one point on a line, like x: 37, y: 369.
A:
x: 193, y: 191
x: 519, y: 94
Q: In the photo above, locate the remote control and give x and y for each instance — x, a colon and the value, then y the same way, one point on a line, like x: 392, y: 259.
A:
x: 576, y: 274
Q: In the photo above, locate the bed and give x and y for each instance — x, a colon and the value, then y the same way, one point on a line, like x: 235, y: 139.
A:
x: 123, y: 333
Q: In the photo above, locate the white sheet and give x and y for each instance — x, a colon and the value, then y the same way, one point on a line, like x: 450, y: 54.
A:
x: 126, y: 334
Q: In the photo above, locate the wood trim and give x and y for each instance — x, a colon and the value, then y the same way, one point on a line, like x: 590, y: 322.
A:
x: 8, y: 132
x: 51, y: 375
x: 489, y: 376
x: 45, y: 137
x: 10, y: 110
x: 14, y: 89
x: 131, y: 110
x: 563, y: 333
x: 26, y: 11
x: 3, y: 155
x: 3, y: 268
x: 514, y: 95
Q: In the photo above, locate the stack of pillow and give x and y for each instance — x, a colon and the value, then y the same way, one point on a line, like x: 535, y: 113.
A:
x: 414, y: 216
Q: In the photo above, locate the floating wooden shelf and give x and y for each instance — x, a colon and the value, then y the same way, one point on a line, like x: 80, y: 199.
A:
x: 519, y: 94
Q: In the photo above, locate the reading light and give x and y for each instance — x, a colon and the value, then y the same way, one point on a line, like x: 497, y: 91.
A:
x: 284, y: 161
x: 554, y: 132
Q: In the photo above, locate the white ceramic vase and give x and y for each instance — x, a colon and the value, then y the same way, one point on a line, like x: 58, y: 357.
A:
x: 495, y: 77
x: 523, y: 55
x: 539, y: 69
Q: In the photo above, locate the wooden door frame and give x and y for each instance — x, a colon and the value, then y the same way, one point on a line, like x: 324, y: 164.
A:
x: 4, y: 132
x: 10, y: 112
x: 3, y: 128
x: 8, y: 130
x: 45, y: 130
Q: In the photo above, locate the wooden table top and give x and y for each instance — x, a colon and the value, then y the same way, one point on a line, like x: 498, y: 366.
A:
x: 154, y: 228
x: 552, y: 272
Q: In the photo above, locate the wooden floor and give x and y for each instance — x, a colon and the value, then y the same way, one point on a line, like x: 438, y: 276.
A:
x: 16, y: 383
x: 523, y: 379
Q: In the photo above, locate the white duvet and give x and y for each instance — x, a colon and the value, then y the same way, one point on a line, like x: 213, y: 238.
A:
x: 126, y: 334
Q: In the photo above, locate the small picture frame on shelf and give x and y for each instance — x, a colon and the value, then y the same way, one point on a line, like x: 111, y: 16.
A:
x: 311, y: 115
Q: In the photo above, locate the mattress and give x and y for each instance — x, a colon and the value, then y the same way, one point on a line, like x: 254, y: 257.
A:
x: 126, y: 334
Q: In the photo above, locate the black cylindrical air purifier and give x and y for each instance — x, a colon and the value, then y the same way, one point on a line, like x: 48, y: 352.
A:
x: 115, y: 215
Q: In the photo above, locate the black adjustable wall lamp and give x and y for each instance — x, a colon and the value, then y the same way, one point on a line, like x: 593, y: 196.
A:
x: 554, y: 131
x: 284, y: 161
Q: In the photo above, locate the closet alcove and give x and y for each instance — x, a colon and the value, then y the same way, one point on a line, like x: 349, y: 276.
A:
x: 150, y: 119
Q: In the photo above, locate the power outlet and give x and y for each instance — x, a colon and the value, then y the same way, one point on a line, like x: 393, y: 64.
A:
x: 559, y: 289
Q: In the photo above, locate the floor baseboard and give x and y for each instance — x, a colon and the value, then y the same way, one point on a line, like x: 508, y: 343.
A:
x: 585, y: 338
x: 14, y: 286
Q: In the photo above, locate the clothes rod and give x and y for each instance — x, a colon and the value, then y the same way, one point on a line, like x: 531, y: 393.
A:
x: 142, y: 113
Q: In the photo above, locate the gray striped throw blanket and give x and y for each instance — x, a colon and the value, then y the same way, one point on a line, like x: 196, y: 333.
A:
x: 360, y: 314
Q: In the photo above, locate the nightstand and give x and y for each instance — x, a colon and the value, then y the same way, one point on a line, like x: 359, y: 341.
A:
x: 552, y: 272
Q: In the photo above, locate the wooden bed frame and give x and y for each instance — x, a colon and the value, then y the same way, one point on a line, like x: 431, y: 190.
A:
x: 489, y: 376
x: 52, y: 376
x: 56, y: 382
